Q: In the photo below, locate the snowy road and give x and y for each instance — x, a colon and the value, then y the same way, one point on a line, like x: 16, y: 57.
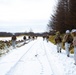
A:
x: 34, y: 62
x: 38, y: 57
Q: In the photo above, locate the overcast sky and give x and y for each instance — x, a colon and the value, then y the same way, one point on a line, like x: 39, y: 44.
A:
x: 25, y: 15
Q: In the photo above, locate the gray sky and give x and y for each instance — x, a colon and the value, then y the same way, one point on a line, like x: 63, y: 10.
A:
x: 23, y: 15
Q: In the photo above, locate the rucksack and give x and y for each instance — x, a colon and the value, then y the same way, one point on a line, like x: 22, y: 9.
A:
x: 68, y: 38
x: 58, y: 39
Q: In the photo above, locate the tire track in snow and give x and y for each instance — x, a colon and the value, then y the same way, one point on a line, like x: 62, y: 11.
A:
x: 45, y: 55
x: 54, y: 64
x: 48, y: 59
x: 42, y: 70
x: 41, y: 61
x: 30, y: 49
x: 8, y: 73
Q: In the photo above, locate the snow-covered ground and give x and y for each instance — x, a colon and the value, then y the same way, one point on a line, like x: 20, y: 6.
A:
x: 9, y: 38
x: 5, y: 38
x: 38, y: 57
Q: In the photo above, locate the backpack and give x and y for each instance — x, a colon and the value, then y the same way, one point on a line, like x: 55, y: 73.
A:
x: 58, y: 39
x: 68, y: 38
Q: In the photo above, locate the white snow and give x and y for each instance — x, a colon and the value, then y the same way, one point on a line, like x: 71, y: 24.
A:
x: 38, y: 57
x: 5, y: 38
x: 9, y: 38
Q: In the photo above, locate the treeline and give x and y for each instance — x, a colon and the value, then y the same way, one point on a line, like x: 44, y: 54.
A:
x: 64, y: 17
x: 5, y: 34
x: 8, y: 34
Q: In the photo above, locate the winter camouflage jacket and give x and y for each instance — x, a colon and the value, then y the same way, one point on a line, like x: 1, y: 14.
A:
x: 68, y: 38
x: 13, y: 37
x: 58, y: 39
x: 74, y: 41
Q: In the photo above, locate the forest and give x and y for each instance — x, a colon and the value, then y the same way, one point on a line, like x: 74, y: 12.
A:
x: 64, y: 17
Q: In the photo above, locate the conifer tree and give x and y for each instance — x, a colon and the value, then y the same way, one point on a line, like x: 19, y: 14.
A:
x: 64, y: 17
x: 72, y: 7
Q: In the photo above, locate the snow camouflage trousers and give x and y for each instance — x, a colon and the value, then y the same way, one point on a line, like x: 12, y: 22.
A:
x: 67, y: 46
x: 13, y: 43
x: 59, y: 46
x: 75, y: 53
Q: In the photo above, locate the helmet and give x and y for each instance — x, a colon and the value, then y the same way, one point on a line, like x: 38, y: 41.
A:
x: 67, y: 31
x: 73, y: 30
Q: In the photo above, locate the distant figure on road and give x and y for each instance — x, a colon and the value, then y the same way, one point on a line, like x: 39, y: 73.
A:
x: 43, y: 37
x: 58, y: 41
x: 74, y: 43
x: 67, y: 39
x: 24, y: 38
x: 36, y: 36
x: 29, y: 37
x: 33, y: 37
x: 14, y: 41
x: 47, y: 38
